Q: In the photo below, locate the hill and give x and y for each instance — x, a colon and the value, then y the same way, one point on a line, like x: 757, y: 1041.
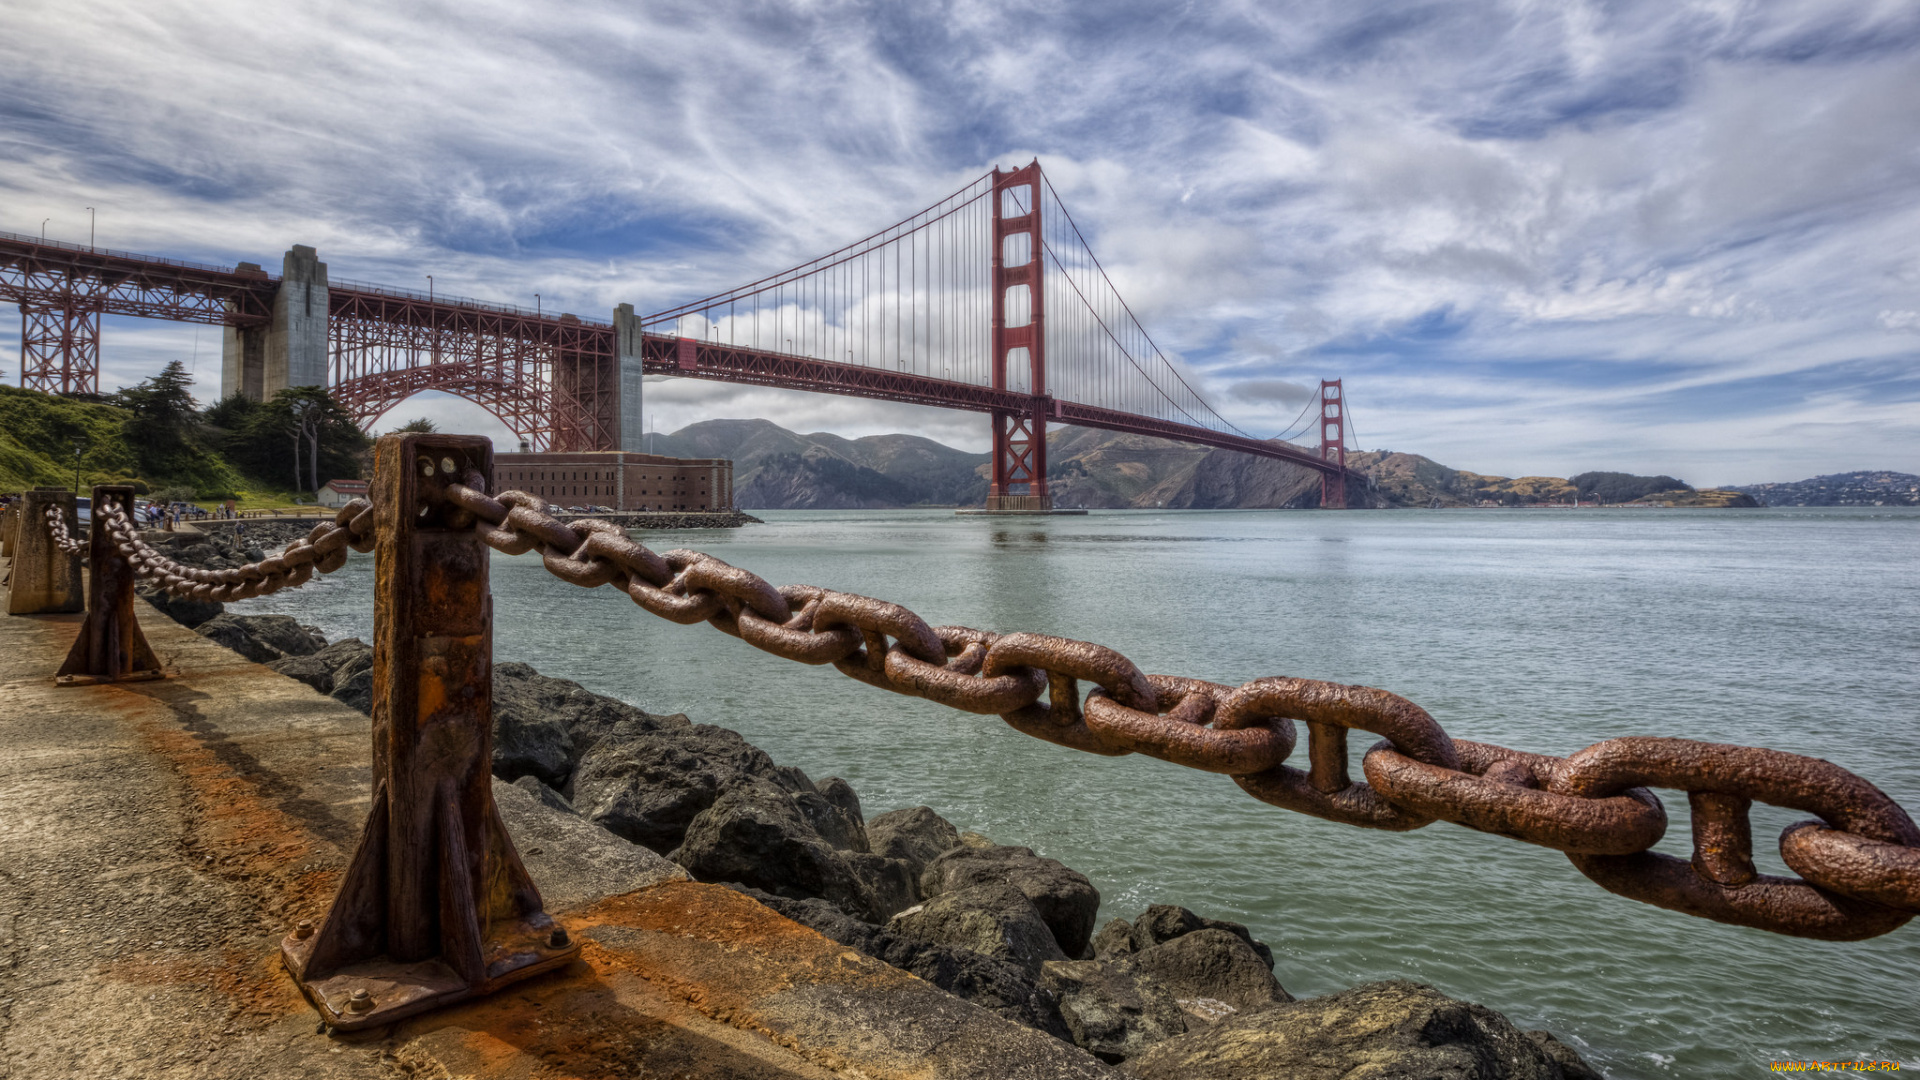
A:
x: 1881, y: 488
x: 774, y: 468
x: 37, y: 436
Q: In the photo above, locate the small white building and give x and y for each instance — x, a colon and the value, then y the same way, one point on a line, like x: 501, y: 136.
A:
x: 338, y: 493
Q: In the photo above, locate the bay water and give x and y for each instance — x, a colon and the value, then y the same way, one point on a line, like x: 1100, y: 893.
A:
x: 1547, y: 631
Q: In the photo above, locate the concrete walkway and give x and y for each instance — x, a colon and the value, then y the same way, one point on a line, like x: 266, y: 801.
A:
x: 157, y: 840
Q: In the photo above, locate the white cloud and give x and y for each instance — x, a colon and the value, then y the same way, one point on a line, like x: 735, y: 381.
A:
x: 1697, y: 220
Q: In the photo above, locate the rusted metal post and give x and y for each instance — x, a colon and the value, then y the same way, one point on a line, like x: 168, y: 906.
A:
x: 436, y: 906
x: 111, y: 647
x: 9, y: 520
x: 46, y: 580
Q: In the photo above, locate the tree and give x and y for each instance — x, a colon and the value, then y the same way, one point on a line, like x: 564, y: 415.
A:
x: 323, y: 437
x: 164, y: 420
x: 421, y: 426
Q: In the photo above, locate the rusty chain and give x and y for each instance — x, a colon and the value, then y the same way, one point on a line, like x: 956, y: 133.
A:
x: 323, y: 550
x: 57, y: 530
x: 1859, y: 861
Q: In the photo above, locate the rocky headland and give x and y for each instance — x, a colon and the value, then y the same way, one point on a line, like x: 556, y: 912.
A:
x: 1169, y: 993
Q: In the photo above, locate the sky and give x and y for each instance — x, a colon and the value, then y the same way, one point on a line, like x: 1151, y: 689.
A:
x: 1533, y: 238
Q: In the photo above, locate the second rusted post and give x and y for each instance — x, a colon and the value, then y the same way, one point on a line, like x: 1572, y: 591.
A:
x: 111, y: 647
x: 46, y: 580
x: 436, y: 906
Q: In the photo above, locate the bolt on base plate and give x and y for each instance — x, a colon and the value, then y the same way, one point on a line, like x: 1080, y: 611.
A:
x: 380, y: 991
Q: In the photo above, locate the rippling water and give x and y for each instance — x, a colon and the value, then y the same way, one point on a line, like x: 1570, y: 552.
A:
x: 1539, y: 630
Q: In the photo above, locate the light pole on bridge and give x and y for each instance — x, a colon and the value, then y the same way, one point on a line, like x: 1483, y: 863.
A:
x: 89, y: 228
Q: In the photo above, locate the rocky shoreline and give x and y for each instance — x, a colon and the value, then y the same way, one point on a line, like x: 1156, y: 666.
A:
x: 1167, y: 994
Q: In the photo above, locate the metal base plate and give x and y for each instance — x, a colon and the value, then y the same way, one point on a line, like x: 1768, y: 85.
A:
x: 396, y: 990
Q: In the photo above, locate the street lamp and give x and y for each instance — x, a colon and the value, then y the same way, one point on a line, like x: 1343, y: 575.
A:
x: 43, y: 227
x: 79, y: 448
x: 89, y: 228
x: 536, y: 306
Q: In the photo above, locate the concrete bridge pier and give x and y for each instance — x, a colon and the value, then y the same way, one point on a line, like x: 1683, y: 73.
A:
x: 627, y: 350
x: 291, y: 348
x: 46, y: 580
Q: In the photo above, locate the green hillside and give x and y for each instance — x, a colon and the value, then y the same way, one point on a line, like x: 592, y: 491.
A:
x: 144, y: 437
x: 37, y: 436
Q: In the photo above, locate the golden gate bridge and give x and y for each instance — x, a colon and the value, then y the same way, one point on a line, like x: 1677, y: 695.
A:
x: 990, y: 300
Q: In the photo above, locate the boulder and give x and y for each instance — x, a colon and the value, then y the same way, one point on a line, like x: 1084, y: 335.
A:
x: 755, y: 834
x: 823, y: 918
x: 1114, y: 939
x: 841, y: 794
x: 262, y: 638
x: 1108, y: 1012
x: 1065, y: 898
x: 355, y: 690
x: 917, y: 835
x: 835, y: 825
x: 327, y: 669
x: 1164, y: 922
x: 993, y: 919
x: 546, y: 796
x: 536, y: 709
x: 891, y: 883
x: 1210, y: 973
x: 647, y: 783
x: 1571, y: 1065
x: 184, y: 610
x: 1386, y: 1030
x: 533, y: 744
x: 994, y: 985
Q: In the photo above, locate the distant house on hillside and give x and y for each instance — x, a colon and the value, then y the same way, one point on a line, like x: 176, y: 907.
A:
x: 338, y: 493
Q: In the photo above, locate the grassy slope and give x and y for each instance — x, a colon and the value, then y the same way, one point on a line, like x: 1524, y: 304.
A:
x: 36, y: 449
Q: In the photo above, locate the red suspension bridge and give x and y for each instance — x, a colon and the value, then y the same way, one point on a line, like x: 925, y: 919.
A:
x: 991, y: 300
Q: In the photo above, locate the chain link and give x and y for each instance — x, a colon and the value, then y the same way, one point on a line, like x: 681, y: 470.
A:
x: 323, y: 550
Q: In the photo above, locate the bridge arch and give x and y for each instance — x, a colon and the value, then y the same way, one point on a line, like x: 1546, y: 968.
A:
x: 523, y: 406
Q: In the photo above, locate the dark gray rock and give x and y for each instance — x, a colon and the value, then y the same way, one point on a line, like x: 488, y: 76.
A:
x: 262, y: 638
x: 355, y: 690
x: 546, y: 796
x: 312, y: 670
x: 1064, y: 897
x: 1108, y: 1012
x: 327, y: 669
x: 648, y: 784
x: 1210, y: 973
x: 1164, y: 922
x: 1385, y: 1031
x: 891, y: 883
x: 834, y: 825
x: 755, y: 834
x: 535, y: 709
x: 822, y: 917
x: 1571, y: 1065
x: 1114, y: 939
x: 993, y: 919
x: 574, y: 862
x: 916, y: 834
x: 841, y: 794
x: 535, y: 744
x: 994, y: 985
x: 184, y: 610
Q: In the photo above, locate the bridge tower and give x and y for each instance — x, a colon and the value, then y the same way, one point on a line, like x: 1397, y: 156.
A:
x: 1333, y: 445
x: 1019, y: 438
x: 60, y: 343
